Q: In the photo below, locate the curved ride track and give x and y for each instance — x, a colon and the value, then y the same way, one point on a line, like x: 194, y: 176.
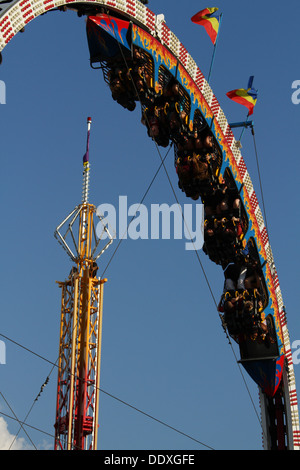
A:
x: 150, y: 34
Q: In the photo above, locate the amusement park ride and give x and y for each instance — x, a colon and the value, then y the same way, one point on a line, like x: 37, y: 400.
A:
x: 143, y: 61
x: 76, y: 425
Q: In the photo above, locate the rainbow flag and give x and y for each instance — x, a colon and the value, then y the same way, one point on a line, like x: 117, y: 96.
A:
x: 210, y: 23
x: 246, y: 97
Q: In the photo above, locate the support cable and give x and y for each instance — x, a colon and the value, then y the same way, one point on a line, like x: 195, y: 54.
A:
x: 259, y: 177
x: 176, y: 198
x: 48, y: 377
x: 30, y: 409
x: 54, y: 364
x: 26, y: 424
x: 133, y: 217
x: 201, y: 265
x: 157, y: 420
x: 20, y: 422
x: 163, y: 164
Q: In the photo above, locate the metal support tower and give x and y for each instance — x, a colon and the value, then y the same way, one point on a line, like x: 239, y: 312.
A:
x: 76, y: 424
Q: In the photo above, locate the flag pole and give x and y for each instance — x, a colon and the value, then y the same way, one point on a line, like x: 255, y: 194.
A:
x: 244, y: 128
x: 86, y: 166
x: 215, y: 47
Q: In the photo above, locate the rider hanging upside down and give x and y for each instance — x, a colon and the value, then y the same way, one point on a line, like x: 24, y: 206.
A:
x: 241, y: 300
x: 121, y: 88
x: 153, y: 119
x: 195, y: 164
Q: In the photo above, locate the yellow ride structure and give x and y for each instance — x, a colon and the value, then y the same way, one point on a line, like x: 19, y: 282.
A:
x: 78, y: 385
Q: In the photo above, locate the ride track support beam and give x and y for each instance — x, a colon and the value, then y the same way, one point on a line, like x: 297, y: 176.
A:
x: 244, y: 124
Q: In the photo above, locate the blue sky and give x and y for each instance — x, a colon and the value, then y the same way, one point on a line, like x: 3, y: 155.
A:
x: 164, y: 350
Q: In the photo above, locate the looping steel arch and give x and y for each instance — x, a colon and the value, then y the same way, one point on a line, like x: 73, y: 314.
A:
x: 16, y: 14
